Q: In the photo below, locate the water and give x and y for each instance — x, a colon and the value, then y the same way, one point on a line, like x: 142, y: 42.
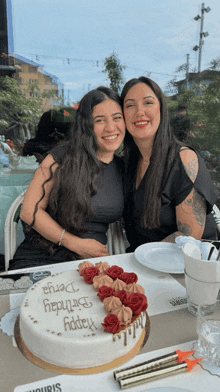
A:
x: 209, y: 341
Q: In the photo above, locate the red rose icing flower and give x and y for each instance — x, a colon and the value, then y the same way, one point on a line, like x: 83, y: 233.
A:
x: 89, y: 273
x: 114, y: 272
x: 111, y: 324
x: 137, y: 302
x: 129, y: 277
x: 120, y: 294
x: 105, y: 292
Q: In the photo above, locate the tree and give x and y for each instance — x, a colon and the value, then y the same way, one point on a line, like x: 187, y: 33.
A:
x: 114, y: 69
x: 215, y: 64
x: 19, y: 115
x: 204, y: 113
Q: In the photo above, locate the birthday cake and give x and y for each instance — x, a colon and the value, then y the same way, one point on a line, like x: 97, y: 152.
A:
x: 85, y: 318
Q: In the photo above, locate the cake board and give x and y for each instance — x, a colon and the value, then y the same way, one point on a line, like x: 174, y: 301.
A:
x: 82, y: 371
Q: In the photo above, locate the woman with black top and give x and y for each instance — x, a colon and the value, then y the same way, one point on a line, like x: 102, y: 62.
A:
x: 168, y: 190
x: 77, y: 191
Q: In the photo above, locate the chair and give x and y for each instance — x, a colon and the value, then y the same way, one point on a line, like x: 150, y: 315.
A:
x: 115, y: 238
x: 216, y: 216
x: 115, y: 241
x: 11, y: 223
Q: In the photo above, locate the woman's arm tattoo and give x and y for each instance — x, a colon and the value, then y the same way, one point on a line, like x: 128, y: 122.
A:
x: 192, y: 169
x: 198, y: 204
x: 184, y: 228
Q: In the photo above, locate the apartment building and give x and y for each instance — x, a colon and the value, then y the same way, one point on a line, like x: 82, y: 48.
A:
x: 29, y: 72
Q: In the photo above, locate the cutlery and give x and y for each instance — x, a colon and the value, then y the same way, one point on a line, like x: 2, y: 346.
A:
x: 211, y: 251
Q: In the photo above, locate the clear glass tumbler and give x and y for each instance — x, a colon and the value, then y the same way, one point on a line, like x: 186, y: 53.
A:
x: 208, y: 329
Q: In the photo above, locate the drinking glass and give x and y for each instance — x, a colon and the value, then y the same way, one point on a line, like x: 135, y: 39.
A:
x: 208, y: 329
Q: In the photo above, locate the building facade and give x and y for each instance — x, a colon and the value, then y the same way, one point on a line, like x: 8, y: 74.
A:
x: 31, y: 73
x: 205, y: 77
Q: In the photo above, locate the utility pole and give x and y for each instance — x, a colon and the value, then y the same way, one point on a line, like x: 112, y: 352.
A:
x: 201, y: 35
x: 62, y: 95
x: 200, y: 38
x: 187, y: 71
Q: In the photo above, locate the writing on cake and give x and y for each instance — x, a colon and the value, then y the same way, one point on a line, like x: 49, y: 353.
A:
x: 50, y: 288
x: 78, y: 324
x: 66, y: 305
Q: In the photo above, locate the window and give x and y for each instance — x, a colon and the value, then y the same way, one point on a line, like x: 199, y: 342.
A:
x: 32, y: 69
x: 34, y: 94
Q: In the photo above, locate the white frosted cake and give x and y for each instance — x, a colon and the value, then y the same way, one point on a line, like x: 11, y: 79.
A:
x: 70, y: 323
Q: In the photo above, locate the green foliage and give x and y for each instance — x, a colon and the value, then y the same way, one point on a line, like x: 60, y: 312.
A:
x: 203, y: 104
x: 114, y: 69
x: 172, y: 105
x: 18, y: 111
x: 181, y: 68
x: 15, y: 108
x: 204, y: 113
x: 215, y: 64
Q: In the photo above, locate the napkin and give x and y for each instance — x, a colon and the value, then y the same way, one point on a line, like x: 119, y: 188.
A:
x: 182, y: 239
x: 196, y: 264
x: 199, y: 250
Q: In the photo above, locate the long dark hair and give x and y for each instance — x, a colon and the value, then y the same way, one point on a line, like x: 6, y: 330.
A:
x: 163, y: 155
x: 48, y: 133
x: 74, y: 191
x: 76, y: 177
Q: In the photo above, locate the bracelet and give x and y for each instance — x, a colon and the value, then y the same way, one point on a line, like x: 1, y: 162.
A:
x: 61, y: 238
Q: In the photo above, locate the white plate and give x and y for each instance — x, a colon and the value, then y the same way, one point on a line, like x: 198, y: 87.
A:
x: 161, y: 256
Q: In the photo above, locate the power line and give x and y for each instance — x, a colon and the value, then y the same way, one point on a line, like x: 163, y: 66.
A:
x: 152, y: 72
x: 96, y: 62
x: 68, y: 59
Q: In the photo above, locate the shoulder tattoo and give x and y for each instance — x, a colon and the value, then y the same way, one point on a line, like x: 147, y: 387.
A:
x: 192, y: 169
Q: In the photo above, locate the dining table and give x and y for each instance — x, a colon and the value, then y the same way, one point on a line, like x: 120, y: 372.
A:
x: 172, y: 328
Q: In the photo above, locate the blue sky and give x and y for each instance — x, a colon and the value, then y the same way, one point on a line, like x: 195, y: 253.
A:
x: 72, y: 38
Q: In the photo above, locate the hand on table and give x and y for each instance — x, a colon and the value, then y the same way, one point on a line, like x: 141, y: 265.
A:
x: 92, y: 248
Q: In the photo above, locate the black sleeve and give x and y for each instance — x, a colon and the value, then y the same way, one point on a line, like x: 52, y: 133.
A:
x: 179, y: 185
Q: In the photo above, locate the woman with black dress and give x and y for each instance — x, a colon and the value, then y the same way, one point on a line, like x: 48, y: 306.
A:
x: 77, y: 191
x: 168, y: 190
